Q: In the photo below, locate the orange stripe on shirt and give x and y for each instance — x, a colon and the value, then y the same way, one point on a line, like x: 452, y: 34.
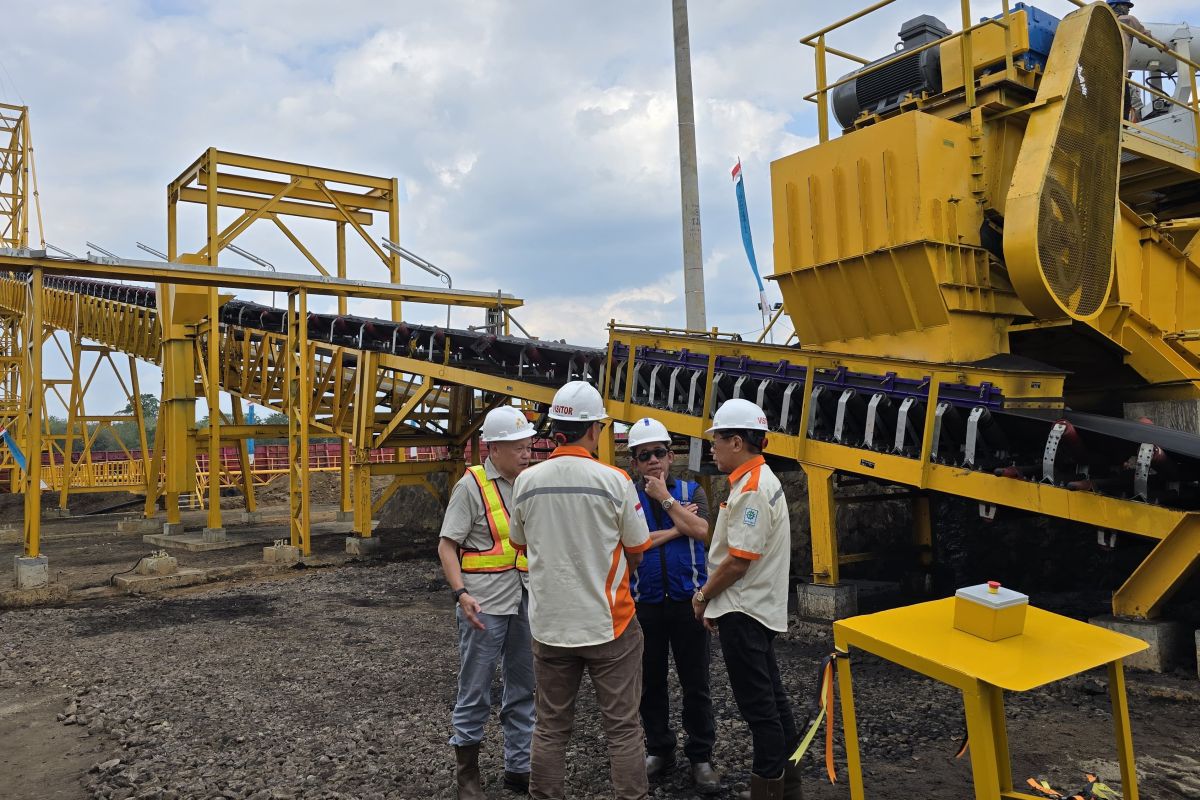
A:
x: 641, y: 548
x: 746, y: 554
x: 752, y: 466
x: 622, y: 609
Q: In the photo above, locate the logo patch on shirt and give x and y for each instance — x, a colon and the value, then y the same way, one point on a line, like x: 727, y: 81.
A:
x: 750, y: 518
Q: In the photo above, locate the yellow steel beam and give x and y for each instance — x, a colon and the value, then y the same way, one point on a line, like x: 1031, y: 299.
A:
x: 226, y: 158
x: 291, y: 208
x: 306, y: 190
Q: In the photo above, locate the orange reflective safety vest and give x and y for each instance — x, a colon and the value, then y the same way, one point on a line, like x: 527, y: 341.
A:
x: 502, y: 556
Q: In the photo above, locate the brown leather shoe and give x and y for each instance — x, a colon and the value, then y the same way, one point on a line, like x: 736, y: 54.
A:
x: 467, y: 774
x: 706, y: 779
x: 791, y: 782
x: 516, y: 782
x: 763, y: 788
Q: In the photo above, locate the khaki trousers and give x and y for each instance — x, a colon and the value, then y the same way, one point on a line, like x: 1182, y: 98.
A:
x: 616, y: 671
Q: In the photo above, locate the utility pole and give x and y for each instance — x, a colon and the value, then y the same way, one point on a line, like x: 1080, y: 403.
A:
x: 693, y: 263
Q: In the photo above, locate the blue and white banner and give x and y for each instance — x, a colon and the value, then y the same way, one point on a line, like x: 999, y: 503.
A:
x: 18, y: 456
x: 748, y: 241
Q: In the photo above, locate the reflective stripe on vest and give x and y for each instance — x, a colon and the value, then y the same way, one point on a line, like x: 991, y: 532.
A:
x: 502, y: 556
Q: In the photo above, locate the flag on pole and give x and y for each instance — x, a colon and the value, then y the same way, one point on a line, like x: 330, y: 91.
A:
x: 250, y: 441
x: 18, y: 456
x: 739, y: 189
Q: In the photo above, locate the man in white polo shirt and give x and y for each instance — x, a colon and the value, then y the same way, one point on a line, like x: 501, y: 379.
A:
x: 488, y: 579
x: 583, y: 531
x: 747, y: 592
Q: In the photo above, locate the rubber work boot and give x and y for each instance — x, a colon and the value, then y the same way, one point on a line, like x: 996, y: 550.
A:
x: 706, y: 779
x: 516, y: 782
x: 791, y: 782
x: 763, y: 788
x: 658, y: 766
x: 469, y: 787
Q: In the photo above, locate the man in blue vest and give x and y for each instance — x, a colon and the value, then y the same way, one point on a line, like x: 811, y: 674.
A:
x: 670, y: 574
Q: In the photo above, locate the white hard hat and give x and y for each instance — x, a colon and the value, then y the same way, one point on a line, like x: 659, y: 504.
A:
x: 739, y: 414
x: 578, y: 401
x: 506, y: 424
x: 647, y: 430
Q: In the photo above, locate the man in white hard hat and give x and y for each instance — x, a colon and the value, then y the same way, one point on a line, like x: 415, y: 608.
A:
x: 670, y: 573
x: 489, y: 579
x: 747, y: 592
x: 581, y: 525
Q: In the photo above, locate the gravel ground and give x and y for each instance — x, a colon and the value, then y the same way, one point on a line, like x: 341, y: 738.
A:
x: 338, y: 683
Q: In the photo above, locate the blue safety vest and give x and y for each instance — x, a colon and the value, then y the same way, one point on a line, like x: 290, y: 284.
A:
x: 682, y: 559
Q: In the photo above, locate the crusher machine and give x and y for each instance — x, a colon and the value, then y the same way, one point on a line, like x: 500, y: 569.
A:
x: 993, y: 280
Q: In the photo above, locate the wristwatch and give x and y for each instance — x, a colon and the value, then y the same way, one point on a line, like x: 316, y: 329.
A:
x: 667, y: 503
x: 699, y: 597
x: 459, y: 593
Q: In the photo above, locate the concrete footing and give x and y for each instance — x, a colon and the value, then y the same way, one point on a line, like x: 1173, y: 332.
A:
x: 27, y: 598
x: 157, y: 565
x: 250, y: 518
x: 57, y: 513
x: 139, y: 525
x: 1167, y: 641
x: 172, y: 529
x: 212, y: 535
x: 362, y: 546
x: 816, y: 601
x: 281, y: 554
x: 344, y: 516
x: 32, y: 573
x: 137, y: 584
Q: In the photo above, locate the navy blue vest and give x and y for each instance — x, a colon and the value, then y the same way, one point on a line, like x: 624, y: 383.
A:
x: 681, y: 560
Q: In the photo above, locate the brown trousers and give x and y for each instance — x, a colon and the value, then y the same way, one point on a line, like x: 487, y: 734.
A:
x: 616, y: 671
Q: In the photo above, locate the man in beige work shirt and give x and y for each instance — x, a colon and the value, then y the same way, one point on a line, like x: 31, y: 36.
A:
x: 584, y: 531
x: 489, y: 579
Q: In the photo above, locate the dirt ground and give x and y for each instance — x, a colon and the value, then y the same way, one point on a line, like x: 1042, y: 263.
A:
x: 337, y: 682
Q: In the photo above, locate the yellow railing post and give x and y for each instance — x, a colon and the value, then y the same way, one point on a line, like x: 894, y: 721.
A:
x: 968, y: 59
x: 822, y: 98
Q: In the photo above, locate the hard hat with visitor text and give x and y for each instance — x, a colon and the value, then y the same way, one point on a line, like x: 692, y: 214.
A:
x: 578, y: 401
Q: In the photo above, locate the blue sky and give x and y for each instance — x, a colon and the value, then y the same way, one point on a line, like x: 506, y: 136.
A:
x: 535, y: 140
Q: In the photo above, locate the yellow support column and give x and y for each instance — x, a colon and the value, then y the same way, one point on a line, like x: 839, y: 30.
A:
x: 213, y: 530
x: 239, y: 418
x: 346, y: 508
x: 32, y: 570
x: 298, y: 414
x: 822, y: 514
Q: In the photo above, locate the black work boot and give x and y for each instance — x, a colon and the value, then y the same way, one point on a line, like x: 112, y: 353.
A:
x: 705, y: 778
x: 469, y: 787
x: 657, y: 767
x: 516, y: 782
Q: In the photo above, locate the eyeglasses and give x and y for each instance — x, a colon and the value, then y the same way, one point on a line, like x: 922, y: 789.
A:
x: 658, y: 452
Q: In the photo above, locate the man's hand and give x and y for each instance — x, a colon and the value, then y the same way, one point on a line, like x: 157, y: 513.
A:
x: 698, y: 609
x: 692, y: 507
x: 471, y: 610
x: 656, y: 488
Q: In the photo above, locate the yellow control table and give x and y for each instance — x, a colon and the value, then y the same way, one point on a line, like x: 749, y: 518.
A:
x: 923, y: 638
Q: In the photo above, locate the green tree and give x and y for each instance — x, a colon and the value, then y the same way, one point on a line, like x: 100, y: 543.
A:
x: 149, y: 403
